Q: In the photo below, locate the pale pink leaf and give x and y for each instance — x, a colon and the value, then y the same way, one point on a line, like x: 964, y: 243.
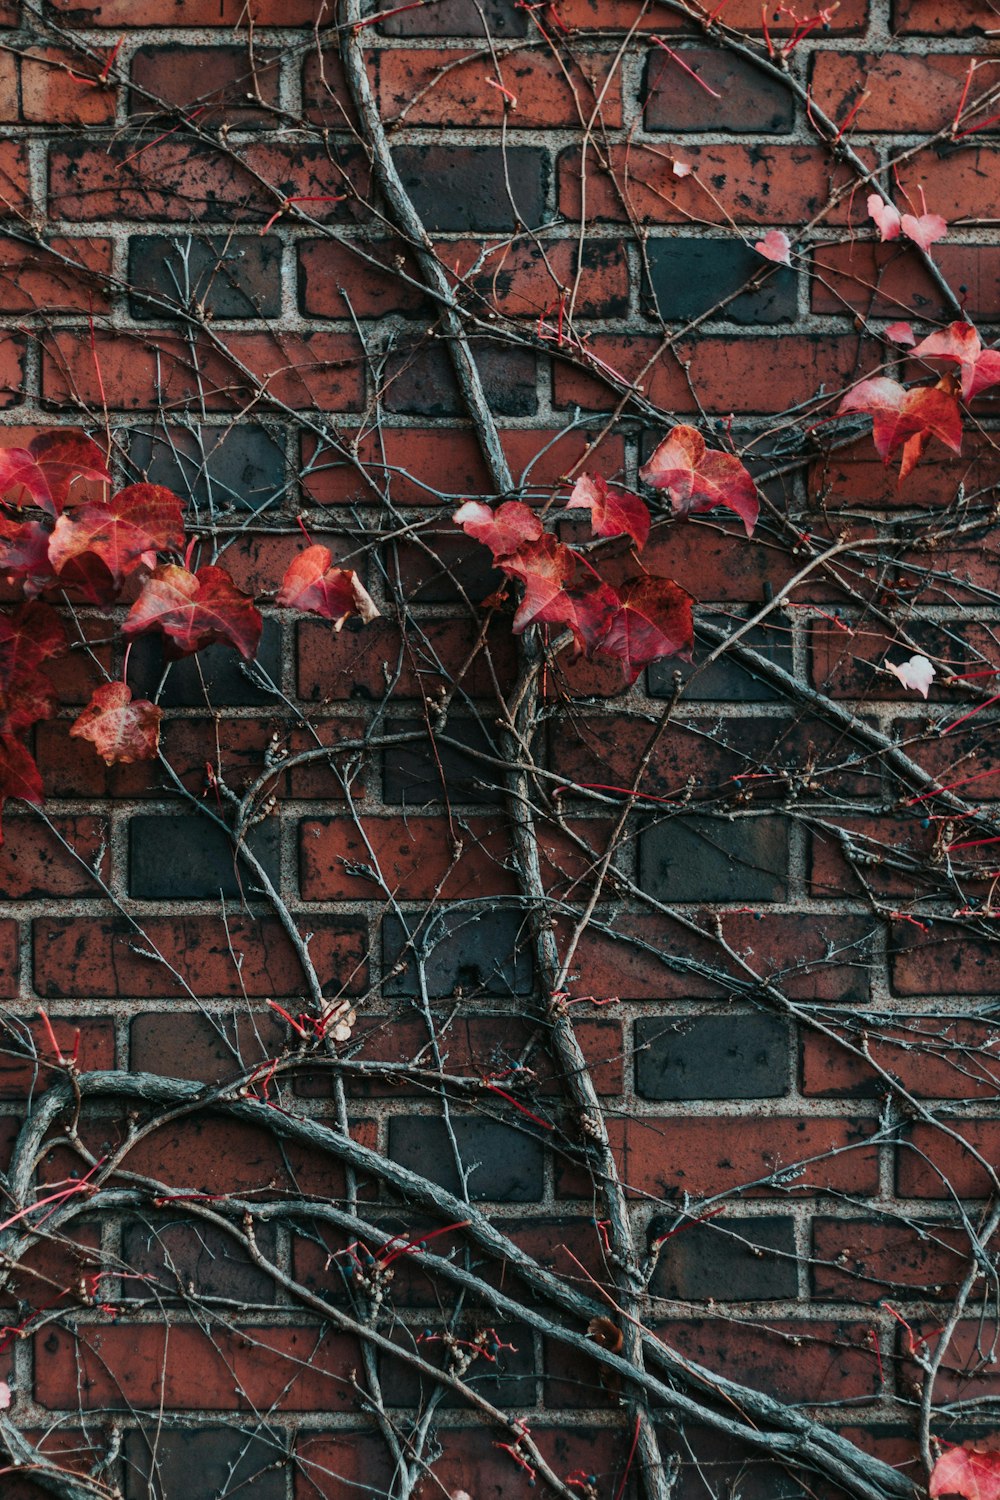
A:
x: 901, y: 333
x: 775, y: 246
x: 926, y: 230
x: 886, y: 217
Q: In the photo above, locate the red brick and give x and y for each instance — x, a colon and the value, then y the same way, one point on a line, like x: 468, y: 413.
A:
x: 790, y: 1359
x: 181, y: 181
x: 856, y: 476
x: 35, y: 862
x: 322, y: 371
x: 11, y: 368
x: 712, y: 88
x: 378, y: 660
x: 743, y: 15
x: 61, y: 87
x: 858, y: 1260
x: 26, y: 1052
x: 848, y: 661
x: 957, y: 182
x: 220, y: 80
x: 34, y: 280
x: 889, y: 854
x: 15, y: 186
x: 906, y: 91
x: 229, y: 13
x: 940, y: 960
x: 968, y: 1373
x: 329, y: 269
x: 208, y: 1048
x: 425, y: 86
x: 766, y: 184
x: 707, y: 1156
x: 527, y: 281
x: 92, y: 956
x: 934, y: 1164
x: 10, y: 12
x: 184, y: 1369
x: 945, y: 17
x: 931, y: 1059
x: 891, y: 281
x: 8, y: 959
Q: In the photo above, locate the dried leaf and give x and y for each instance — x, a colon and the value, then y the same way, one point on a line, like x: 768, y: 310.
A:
x: 121, y: 729
x: 917, y: 674
x: 775, y: 246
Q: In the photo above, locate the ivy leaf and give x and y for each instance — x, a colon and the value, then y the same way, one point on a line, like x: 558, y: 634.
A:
x: 44, y: 471
x: 29, y: 637
x: 95, y: 548
x: 901, y: 333
x: 917, y: 673
x: 924, y: 231
x: 19, y: 776
x: 194, y: 610
x: 612, y: 512
x: 545, y: 567
x: 898, y: 414
x: 775, y: 246
x: 959, y: 344
x: 24, y: 555
x: 971, y: 1472
x: 653, y: 620
x: 698, y: 478
x: 121, y: 729
x: 886, y: 217
x: 312, y: 585
x: 503, y: 530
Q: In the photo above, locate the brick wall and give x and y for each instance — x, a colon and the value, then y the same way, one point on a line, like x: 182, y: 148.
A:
x: 785, y: 984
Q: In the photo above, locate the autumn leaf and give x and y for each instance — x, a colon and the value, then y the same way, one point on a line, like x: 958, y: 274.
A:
x: 971, y: 1472
x: 95, y: 548
x: 19, y: 776
x: 545, y: 567
x: 917, y: 673
x: 43, y: 472
x: 959, y: 344
x: 698, y: 478
x: 503, y: 530
x: 312, y: 585
x: 29, y: 637
x: 924, y: 231
x: 901, y: 333
x: 194, y: 610
x: 898, y: 414
x: 612, y: 512
x: 24, y: 555
x: 885, y: 215
x: 121, y: 729
x: 653, y: 620
x: 775, y: 246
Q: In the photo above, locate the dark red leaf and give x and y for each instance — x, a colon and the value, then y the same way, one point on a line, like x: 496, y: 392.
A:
x: 101, y: 542
x: 698, y: 478
x: 612, y: 512
x: 899, y: 415
x: 24, y: 555
x: 653, y: 620
x: 194, y: 610
x: 64, y: 454
x: 29, y: 637
x: 121, y: 729
x: 19, y: 776
x: 503, y: 530
x: 312, y: 585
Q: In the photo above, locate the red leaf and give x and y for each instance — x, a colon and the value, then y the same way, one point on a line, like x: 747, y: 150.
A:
x: 698, y: 478
x: 775, y: 246
x: 41, y: 474
x: 29, y: 637
x: 898, y: 414
x: 195, y: 609
x: 311, y: 584
x: 612, y: 512
x: 545, y: 567
x: 959, y: 344
x: 122, y: 730
x: 19, y: 776
x: 503, y: 530
x: 24, y: 555
x: 653, y: 620
x: 926, y: 230
x: 973, y: 1473
x: 98, y: 546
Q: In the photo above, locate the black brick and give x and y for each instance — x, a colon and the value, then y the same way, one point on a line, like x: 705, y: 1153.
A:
x: 413, y: 773
x: 711, y: 1057
x: 689, y: 276
x: 750, y: 101
x: 215, y: 468
x: 218, y: 672
x: 713, y: 859
x: 510, y: 1162
x: 466, y: 187
x: 200, y: 1254
x: 510, y: 1381
x: 184, y: 857
x: 202, y: 1463
x: 473, y: 950
x: 740, y: 1259
x: 422, y: 381
x: 726, y: 681
x: 457, y: 18
x: 237, y: 276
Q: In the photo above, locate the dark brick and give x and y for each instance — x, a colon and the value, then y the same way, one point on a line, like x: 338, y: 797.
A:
x: 206, y: 1047
x: 468, y: 949
x: 466, y: 187
x: 422, y: 381
x: 510, y: 1381
x: 715, y: 859
x: 218, y: 673
x: 416, y: 774
x: 219, y: 82
x: 184, y: 857
x: 509, y: 1163
x: 445, y: 568
x: 237, y: 276
x: 711, y: 1057
x: 180, y: 1254
x: 456, y: 18
x: 726, y: 681
x: 740, y: 1259
x: 213, y: 468
x: 690, y: 276
x: 199, y: 1462
x: 750, y: 100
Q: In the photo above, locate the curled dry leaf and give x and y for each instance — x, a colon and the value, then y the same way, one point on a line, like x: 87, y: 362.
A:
x: 917, y: 674
x: 971, y: 1472
x: 312, y: 585
x: 120, y: 728
x: 606, y: 1334
x: 698, y: 478
x: 194, y: 610
x: 612, y: 512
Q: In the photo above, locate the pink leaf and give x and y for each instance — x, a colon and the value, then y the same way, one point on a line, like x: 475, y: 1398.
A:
x: 959, y: 344
x: 971, y: 1472
x: 311, y: 584
x: 698, y: 478
x: 612, y: 512
x: 898, y: 414
x: 775, y: 246
x: 503, y: 530
x: 926, y: 230
x: 886, y: 217
x: 901, y: 333
x: 122, y: 730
